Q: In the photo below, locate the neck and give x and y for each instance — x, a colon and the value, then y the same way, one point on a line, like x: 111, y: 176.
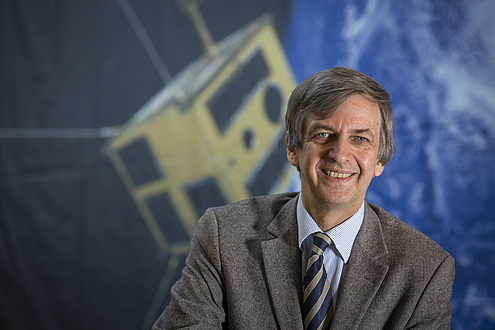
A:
x: 328, y: 216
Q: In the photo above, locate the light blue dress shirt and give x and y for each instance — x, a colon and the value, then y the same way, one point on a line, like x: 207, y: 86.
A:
x: 336, y: 256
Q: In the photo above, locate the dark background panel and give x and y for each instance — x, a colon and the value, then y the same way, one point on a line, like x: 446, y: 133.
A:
x: 75, y: 252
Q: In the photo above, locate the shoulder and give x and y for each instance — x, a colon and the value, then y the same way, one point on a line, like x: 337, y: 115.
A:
x: 258, y: 206
x: 414, y: 273
x: 405, y: 242
x: 246, y: 215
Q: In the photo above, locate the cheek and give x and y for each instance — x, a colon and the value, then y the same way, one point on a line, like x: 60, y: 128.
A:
x: 369, y: 164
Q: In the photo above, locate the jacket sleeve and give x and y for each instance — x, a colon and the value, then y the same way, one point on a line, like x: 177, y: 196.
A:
x: 433, y: 310
x: 197, y: 299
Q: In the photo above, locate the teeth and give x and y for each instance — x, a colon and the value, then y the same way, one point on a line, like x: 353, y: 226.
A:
x: 337, y: 175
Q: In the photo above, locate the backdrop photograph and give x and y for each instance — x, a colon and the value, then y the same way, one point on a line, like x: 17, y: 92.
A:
x: 122, y: 121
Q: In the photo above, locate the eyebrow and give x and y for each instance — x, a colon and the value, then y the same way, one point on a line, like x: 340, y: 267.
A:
x: 318, y: 127
x: 363, y: 130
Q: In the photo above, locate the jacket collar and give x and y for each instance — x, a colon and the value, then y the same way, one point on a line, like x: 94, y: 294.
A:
x: 365, y: 273
x: 282, y: 261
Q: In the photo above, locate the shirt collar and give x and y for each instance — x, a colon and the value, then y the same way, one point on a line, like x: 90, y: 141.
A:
x: 342, y: 236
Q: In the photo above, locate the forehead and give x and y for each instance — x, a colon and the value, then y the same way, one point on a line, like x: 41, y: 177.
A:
x: 357, y: 112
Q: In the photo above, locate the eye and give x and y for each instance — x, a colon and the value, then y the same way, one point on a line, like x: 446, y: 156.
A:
x: 322, y: 135
x: 361, y: 139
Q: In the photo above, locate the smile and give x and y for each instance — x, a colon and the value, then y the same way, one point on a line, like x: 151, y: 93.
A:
x: 337, y: 175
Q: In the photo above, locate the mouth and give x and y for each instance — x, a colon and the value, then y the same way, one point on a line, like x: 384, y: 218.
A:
x: 336, y: 175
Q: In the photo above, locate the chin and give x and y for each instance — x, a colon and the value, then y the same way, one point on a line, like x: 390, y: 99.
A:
x: 340, y: 200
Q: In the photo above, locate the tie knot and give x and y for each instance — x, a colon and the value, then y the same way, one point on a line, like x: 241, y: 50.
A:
x: 320, y: 242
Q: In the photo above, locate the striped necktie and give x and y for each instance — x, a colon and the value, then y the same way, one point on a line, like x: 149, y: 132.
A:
x: 317, y: 300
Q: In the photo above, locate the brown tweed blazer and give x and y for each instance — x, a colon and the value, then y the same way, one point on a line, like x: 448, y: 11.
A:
x: 244, y: 272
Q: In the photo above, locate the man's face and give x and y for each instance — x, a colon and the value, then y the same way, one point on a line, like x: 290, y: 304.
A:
x: 339, y: 156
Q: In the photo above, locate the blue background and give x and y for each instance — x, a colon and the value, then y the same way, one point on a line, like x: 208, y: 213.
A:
x: 437, y: 60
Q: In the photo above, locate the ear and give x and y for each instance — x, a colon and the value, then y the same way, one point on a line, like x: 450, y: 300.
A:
x: 379, y: 168
x: 291, y: 152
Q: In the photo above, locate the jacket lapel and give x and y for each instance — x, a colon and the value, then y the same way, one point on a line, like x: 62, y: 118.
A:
x: 364, y: 275
x: 282, y: 262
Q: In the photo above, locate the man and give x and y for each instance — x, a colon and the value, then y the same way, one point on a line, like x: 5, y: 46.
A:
x: 324, y: 257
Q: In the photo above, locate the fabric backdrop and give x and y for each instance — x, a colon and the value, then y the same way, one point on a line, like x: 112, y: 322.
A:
x: 76, y: 251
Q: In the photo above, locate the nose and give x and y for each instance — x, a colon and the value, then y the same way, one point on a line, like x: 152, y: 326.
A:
x: 339, y: 151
